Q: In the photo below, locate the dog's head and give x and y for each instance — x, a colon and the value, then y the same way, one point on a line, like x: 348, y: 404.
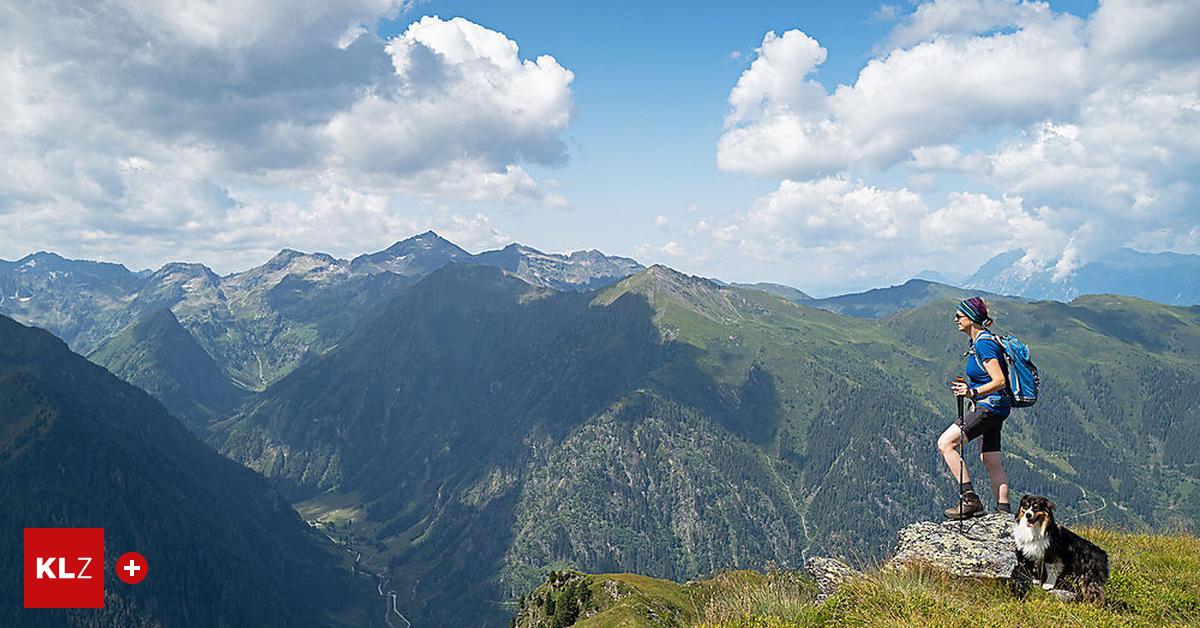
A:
x: 1035, y: 512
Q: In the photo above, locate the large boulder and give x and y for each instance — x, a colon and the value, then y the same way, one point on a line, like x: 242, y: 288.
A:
x: 978, y: 548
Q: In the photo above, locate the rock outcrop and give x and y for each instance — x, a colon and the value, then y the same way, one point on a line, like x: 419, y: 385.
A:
x: 978, y: 548
x: 830, y: 574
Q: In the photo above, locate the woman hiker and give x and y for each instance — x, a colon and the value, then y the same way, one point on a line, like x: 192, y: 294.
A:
x: 990, y: 404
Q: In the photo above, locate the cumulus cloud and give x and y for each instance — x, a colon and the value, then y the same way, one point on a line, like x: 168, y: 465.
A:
x: 785, y: 124
x: 836, y: 231
x: 1081, y: 134
x: 802, y: 215
x: 173, y: 121
x: 963, y: 17
x: 459, y: 89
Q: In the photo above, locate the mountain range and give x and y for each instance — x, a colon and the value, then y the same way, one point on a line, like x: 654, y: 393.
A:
x: 474, y: 426
x: 1169, y: 278
x: 259, y: 324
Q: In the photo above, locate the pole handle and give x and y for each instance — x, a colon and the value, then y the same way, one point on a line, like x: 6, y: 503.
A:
x: 959, y: 400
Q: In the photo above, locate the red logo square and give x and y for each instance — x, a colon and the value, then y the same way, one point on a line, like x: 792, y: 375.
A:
x: 64, y: 567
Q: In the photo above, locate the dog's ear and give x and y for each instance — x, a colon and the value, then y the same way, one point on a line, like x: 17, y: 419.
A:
x: 1049, y: 505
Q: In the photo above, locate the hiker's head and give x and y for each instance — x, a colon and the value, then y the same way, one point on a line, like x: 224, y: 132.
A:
x: 972, y: 311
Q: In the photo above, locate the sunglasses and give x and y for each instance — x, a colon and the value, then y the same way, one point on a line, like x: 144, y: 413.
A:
x: 958, y: 315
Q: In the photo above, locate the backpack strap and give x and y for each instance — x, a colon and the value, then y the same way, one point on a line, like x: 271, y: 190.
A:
x: 976, y: 341
x: 1003, y: 350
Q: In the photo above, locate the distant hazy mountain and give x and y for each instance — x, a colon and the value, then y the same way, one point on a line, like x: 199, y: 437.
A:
x: 948, y: 278
x: 64, y: 296
x: 81, y: 448
x: 581, y: 270
x: 261, y: 323
x: 880, y: 302
x: 479, y: 430
x: 1168, y: 278
x: 779, y: 290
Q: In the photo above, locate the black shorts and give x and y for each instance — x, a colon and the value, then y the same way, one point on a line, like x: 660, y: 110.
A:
x: 982, y: 422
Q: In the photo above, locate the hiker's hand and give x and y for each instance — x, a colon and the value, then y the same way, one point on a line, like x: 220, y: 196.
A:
x: 959, y: 388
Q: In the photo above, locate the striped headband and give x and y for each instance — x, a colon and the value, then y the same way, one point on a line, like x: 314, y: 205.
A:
x: 975, y: 309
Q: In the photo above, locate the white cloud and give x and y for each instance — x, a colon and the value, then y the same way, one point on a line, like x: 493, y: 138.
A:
x: 807, y: 214
x: 126, y: 126
x: 474, y: 232
x: 986, y: 226
x: 673, y: 249
x: 886, y: 13
x: 784, y: 124
x: 941, y: 18
x: 460, y: 89
x: 1081, y: 135
x: 1140, y: 35
x: 830, y: 233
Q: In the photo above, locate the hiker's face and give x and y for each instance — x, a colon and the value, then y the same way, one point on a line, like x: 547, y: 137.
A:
x: 962, y: 321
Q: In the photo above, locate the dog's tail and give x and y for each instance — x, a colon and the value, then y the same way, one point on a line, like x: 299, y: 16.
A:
x: 1091, y: 586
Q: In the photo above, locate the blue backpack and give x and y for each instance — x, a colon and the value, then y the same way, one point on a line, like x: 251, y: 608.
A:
x: 1022, y: 373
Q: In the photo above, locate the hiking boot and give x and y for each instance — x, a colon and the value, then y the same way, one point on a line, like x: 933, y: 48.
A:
x: 969, y: 506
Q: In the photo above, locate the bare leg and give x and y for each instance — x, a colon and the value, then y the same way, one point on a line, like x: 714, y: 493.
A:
x: 995, y: 469
x: 947, y: 444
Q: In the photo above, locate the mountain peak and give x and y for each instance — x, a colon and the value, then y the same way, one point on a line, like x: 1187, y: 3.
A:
x: 50, y: 261
x: 287, y: 257
x: 663, y: 286
x: 417, y: 255
x: 287, y: 254
x: 782, y: 291
x: 41, y: 256
x: 179, y: 273
x: 427, y: 238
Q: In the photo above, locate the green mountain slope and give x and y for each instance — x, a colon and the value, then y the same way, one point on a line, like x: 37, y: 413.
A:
x: 80, y: 448
x: 480, y: 431
x: 159, y: 356
x: 881, y: 302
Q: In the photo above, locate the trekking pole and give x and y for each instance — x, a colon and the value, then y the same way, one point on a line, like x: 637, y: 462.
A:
x: 962, y: 461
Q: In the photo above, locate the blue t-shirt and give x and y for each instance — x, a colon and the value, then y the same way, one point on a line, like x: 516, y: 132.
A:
x: 987, y: 348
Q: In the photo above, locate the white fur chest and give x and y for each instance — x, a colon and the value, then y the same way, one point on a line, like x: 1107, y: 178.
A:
x: 1030, y: 540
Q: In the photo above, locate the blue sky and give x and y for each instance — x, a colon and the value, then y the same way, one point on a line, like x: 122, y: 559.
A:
x: 857, y: 146
x: 650, y: 95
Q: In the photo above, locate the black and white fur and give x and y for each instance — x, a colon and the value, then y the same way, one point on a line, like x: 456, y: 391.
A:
x: 1053, y: 555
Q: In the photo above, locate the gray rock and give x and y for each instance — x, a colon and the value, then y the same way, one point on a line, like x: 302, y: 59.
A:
x: 1063, y: 595
x: 978, y: 548
x: 830, y: 574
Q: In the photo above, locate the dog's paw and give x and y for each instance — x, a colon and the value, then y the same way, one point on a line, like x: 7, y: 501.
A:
x: 1047, y: 586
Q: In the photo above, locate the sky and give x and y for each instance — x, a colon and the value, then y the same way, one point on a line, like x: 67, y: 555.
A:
x: 829, y: 146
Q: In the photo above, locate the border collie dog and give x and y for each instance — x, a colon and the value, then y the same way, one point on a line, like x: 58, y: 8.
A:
x: 1053, y: 555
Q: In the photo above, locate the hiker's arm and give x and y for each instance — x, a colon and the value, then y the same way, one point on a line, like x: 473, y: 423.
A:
x: 993, y: 370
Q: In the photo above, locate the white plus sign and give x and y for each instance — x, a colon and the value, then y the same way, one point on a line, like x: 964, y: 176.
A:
x: 132, y: 568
